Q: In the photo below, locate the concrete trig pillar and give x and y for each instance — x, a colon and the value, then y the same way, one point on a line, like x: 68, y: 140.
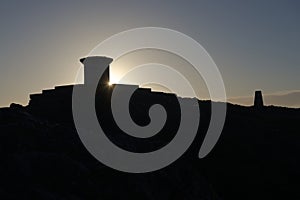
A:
x: 258, y: 100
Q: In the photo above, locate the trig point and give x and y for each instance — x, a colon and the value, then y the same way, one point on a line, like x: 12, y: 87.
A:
x: 258, y: 100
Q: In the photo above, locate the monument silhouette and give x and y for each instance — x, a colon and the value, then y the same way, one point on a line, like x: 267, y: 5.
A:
x: 258, y: 100
x: 59, y: 100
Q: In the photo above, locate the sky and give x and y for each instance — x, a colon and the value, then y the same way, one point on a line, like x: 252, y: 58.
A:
x: 255, y: 44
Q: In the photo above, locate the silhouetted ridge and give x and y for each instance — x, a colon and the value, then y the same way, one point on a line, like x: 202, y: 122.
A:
x: 257, y: 156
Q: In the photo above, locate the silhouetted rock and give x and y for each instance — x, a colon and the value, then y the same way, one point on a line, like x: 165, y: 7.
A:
x: 16, y: 106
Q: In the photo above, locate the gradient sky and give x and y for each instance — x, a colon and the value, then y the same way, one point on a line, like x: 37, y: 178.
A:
x: 255, y: 44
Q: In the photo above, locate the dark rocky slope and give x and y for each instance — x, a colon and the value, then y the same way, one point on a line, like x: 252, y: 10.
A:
x: 257, y: 157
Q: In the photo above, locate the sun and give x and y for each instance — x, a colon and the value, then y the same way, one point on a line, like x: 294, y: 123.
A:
x: 109, y: 83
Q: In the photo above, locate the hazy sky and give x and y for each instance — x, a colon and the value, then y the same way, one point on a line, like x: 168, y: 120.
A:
x: 255, y: 44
